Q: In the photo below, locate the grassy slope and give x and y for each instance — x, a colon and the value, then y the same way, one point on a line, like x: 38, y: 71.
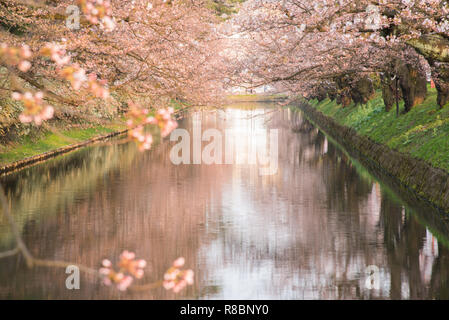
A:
x: 52, y: 140
x: 31, y: 146
x: 423, y: 132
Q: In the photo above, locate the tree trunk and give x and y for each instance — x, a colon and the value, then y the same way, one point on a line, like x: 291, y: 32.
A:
x: 413, y: 84
x: 435, y: 48
x: 362, y: 91
x: 389, y: 90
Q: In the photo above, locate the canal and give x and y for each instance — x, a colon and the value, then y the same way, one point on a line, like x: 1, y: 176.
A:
x: 319, y: 227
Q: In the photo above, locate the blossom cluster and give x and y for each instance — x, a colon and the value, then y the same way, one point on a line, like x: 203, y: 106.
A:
x: 138, y: 117
x: 16, y: 56
x: 132, y: 266
x: 35, y: 109
x: 129, y: 268
x: 165, y: 121
x: 73, y: 72
x: 98, y: 12
x: 56, y: 53
x: 176, y: 279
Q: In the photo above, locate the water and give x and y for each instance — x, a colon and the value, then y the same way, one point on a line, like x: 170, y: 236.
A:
x: 314, y: 230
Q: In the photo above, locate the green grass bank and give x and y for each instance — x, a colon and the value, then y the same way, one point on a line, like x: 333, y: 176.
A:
x: 50, y: 140
x: 422, y: 133
x: 63, y: 134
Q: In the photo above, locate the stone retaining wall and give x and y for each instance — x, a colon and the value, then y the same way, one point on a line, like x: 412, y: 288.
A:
x: 428, y: 183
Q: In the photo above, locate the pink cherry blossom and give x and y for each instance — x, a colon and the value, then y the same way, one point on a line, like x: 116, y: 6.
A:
x: 128, y: 269
x: 165, y: 122
x: 24, y: 66
x: 57, y: 53
x: 98, y: 11
x: 16, y: 56
x: 176, y: 279
x: 179, y: 262
x: 34, y: 108
x: 124, y: 283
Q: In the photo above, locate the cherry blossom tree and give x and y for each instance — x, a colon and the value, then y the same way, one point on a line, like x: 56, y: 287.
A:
x: 146, y: 53
x: 72, y: 58
x: 301, y: 44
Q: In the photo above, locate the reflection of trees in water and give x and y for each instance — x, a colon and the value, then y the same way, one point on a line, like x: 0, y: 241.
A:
x: 439, y: 284
x: 404, y: 239
x: 342, y: 229
x: 292, y: 228
x: 42, y: 189
x: 313, y: 228
x: 347, y: 193
x: 145, y: 204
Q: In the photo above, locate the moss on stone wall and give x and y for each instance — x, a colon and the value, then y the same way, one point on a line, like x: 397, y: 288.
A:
x: 428, y: 182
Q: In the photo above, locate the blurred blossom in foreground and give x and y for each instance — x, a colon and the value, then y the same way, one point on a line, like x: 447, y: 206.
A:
x: 35, y: 109
x: 16, y: 56
x: 98, y: 12
x: 138, y: 117
x: 129, y: 267
x: 176, y: 279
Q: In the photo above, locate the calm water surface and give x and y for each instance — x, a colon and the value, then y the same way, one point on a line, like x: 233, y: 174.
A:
x: 311, y: 231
